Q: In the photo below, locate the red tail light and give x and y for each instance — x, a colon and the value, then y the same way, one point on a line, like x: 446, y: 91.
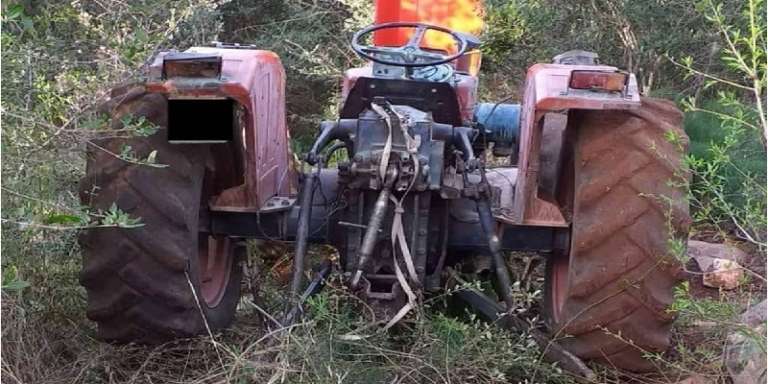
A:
x: 597, y: 80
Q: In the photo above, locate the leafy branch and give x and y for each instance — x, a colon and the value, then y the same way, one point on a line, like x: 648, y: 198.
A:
x: 744, y: 55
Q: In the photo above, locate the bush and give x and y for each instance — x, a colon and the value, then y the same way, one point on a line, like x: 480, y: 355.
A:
x: 312, y: 39
x: 729, y: 130
x: 633, y: 35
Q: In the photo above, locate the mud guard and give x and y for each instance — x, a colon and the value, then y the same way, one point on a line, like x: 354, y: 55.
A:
x: 547, y: 90
x: 255, y: 80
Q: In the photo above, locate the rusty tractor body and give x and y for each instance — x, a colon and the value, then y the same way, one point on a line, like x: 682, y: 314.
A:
x: 583, y: 182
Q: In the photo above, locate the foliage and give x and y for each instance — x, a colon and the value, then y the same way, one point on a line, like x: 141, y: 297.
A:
x: 59, y: 61
x: 726, y: 123
x: 704, y: 309
x: 314, y: 60
x: 729, y: 131
x: 629, y: 34
x: 11, y: 281
x: 61, y: 58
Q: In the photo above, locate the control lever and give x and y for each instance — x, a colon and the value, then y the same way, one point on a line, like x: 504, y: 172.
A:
x: 488, y: 223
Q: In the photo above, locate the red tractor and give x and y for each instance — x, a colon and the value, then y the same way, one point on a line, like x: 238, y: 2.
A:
x: 587, y: 181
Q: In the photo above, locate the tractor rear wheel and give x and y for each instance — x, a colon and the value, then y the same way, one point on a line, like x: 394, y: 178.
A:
x: 607, y: 298
x: 167, y: 278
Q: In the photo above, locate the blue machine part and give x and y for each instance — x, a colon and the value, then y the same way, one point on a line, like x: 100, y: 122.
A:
x: 501, y: 125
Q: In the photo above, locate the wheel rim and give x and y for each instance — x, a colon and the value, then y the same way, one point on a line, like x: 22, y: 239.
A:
x: 214, y: 267
x: 216, y: 254
x: 558, y: 285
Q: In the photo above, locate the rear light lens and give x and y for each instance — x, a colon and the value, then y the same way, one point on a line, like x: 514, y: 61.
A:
x: 597, y: 80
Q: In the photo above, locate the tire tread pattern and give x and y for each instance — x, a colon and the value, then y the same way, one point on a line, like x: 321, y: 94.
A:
x: 621, y: 275
x: 135, y: 278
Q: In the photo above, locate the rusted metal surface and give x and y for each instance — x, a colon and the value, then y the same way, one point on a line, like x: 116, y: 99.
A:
x: 547, y: 90
x: 551, y: 155
x: 256, y: 80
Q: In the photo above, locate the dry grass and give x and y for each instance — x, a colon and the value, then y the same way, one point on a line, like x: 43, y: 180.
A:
x: 336, y: 343
x: 45, y: 335
x: 46, y: 339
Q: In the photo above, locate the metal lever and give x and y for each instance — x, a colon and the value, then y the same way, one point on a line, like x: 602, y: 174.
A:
x: 499, y: 266
x: 374, y: 225
x: 302, y: 236
x: 314, y: 287
x: 490, y: 309
x: 488, y: 223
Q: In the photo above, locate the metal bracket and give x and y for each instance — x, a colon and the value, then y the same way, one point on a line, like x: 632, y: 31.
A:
x: 277, y: 204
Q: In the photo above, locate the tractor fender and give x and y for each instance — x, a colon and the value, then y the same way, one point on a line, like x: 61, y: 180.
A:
x: 548, y: 96
x: 255, y: 80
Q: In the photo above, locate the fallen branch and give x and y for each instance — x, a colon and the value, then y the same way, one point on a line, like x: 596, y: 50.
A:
x: 492, y: 311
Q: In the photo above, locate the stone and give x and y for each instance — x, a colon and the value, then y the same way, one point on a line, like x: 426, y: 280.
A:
x: 725, y: 274
x: 755, y: 315
x: 716, y: 251
x: 745, y: 358
x: 719, y: 264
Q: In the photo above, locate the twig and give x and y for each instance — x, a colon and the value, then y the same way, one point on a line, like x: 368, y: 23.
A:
x: 264, y: 313
x: 23, y: 225
x: 152, y: 165
x: 711, y: 77
x: 41, y: 201
x: 205, y: 320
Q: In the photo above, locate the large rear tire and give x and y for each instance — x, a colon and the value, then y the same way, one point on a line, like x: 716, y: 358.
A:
x: 607, y: 299
x: 140, y: 281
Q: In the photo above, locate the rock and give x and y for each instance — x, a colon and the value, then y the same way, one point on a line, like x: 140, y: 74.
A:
x: 755, y: 315
x: 745, y: 357
x: 725, y: 274
x: 716, y: 251
x: 719, y: 263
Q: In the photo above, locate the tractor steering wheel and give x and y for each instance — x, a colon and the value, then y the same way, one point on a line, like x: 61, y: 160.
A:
x: 409, y: 55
